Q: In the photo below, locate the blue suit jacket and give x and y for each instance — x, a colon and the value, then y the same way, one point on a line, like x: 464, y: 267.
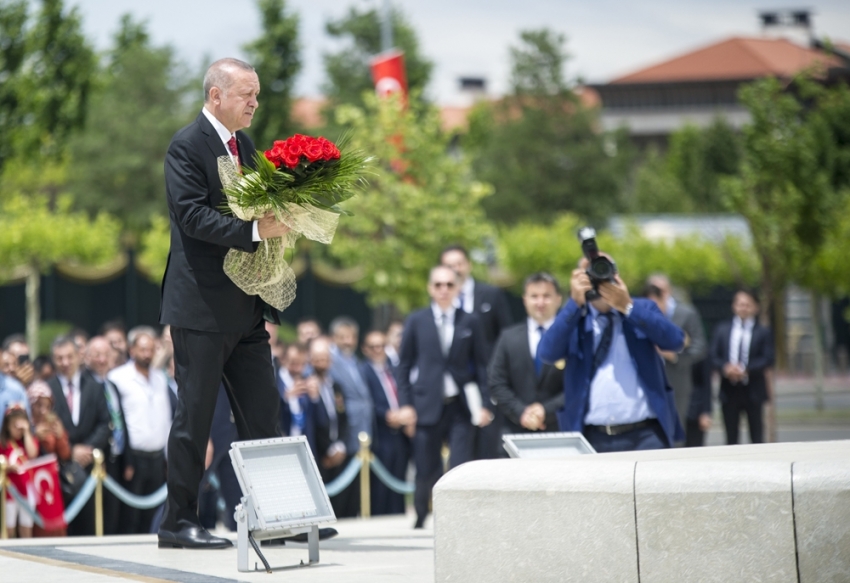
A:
x: 420, y: 348
x: 644, y: 329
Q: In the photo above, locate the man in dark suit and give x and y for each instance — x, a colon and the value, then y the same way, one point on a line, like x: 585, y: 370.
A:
x: 391, y: 443
x: 528, y: 392
x: 490, y: 305
x: 217, y: 329
x: 445, y: 347
x: 331, y: 428
x: 615, y: 389
x: 79, y: 402
x: 693, y: 405
x: 742, y: 351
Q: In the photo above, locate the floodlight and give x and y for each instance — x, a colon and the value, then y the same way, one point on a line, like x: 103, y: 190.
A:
x: 282, y: 495
x: 546, y: 445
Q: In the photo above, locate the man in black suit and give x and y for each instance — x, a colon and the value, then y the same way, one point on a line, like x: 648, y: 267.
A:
x: 79, y: 402
x: 527, y: 391
x: 445, y: 347
x: 217, y: 329
x: 391, y: 443
x: 742, y: 351
x: 490, y: 305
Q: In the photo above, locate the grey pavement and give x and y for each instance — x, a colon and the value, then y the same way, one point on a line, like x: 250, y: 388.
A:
x: 383, y: 549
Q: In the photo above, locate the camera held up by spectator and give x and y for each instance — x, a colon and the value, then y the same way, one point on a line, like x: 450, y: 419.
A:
x: 600, y: 269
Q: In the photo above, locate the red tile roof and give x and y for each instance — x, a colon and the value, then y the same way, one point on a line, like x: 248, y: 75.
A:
x: 735, y: 58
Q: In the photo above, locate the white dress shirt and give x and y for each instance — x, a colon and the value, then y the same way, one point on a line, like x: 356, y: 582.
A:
x: 147, y: 408
x: 740, y: 339
x: 534, y: 335
x: 75, y: 411
x: 467, y: 294
x: 225, y: 136
x: 449, y: 385
x: 382, y: 373
x: 616, y: 394
x: 293, y: 402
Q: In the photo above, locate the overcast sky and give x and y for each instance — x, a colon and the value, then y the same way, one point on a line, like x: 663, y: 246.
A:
x: 469, y: 37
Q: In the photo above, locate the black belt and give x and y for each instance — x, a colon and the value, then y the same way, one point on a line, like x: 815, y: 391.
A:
x: 447, y: 400
x: 624, y: 428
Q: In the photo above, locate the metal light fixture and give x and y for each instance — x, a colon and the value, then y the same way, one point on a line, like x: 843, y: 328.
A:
x: 546, y: 445
x: 282, y: 495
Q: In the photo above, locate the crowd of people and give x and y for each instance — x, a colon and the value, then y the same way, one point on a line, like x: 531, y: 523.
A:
x: 629, y: 373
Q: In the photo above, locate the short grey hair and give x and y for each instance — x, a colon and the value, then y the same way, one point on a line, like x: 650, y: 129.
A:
x: 344, y: 322
x: 139, y: 331
x: 220, y: 75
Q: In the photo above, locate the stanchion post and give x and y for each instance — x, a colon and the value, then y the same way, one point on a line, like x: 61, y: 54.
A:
x: 365, y: 459
x: 3, y: 534
x: 99, y: 474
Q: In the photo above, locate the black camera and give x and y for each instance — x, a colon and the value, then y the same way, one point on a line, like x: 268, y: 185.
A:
x: 601, y: 268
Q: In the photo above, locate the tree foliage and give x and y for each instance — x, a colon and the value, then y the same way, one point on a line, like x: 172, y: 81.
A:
x: 540, y: 146
x: 144, y: 95
x: 687, y: 178
x: 347, y: 70
x: 693, y: 263
x: 419, y: 200
x: 46, y: 70
x: 276, y: 57
x: 785, y: 191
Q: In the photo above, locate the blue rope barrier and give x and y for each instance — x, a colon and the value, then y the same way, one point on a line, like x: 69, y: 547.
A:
x: 24, y: 503
x: 345, y: 478
x: 82, y: 497
x: 142, y: 502
x: 390, y: 481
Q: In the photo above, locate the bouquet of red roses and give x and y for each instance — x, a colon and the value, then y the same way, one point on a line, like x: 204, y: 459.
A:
x: 302, y: 180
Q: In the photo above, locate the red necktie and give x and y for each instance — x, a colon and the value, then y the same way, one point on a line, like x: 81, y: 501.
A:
x: 391, y: 382
x: 231, y: 144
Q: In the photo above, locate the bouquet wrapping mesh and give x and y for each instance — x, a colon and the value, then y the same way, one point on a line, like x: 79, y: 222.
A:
x: 265, y: 272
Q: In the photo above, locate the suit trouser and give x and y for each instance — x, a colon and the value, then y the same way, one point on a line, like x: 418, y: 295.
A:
x: 112, y: 506
x: 455, y: 427
x: 200, y: 360
x: 488, y: 439
x: 148, y: 477
x: 394, y: 452
x: 738, y: 401
x: 694, y: 435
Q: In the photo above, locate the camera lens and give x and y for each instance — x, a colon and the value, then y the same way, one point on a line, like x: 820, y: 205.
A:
x: 601, y: 268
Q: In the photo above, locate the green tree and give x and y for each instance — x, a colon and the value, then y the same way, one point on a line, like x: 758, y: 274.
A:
x: 47, y: 68
x: 540, y: 147
x: 276, y: 57
x: 35, y: 234
x: 687, y: 178
x: 693, y: 263
x: 348, y: 73
x: 785, y: 192
x: 144, y: 95
x: 419, y: 199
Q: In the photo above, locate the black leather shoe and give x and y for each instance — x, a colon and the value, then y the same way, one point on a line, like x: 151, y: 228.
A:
x: 324, y: 534
x: 191, y: 536
x: 420, y: 522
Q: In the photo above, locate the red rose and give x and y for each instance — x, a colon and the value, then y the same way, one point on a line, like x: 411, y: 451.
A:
x: 329, y: 150
x: 313, y: 150
x: 271, y: 157
x: 291, y: 160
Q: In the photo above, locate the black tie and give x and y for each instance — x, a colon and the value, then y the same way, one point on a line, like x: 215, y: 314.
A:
x: 604, y: 342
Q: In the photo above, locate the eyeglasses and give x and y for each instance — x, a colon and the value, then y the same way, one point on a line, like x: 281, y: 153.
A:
x: 446, y: 284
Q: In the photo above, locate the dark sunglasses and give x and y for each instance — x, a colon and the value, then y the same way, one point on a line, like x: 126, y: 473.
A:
x: 447, y: 284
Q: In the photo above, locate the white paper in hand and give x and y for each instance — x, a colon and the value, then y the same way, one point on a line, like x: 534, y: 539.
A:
x: 473, y: 401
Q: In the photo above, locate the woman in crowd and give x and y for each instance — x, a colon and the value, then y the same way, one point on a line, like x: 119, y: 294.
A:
x: 18, y: 446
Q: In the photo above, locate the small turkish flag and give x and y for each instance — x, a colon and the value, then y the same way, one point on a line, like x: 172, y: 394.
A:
x: 389, y: 75
x: 44, y: 473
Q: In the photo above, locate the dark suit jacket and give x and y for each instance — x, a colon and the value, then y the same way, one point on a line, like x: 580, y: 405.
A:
x: 93, y: 428
x: 644, y: 329
x: 491, y: 307
x: 322, y: 425
x: 514, y: 384
x: 760, y: 358
x: 420, y: 348
x: 196, y: 293
x: 384, y: 435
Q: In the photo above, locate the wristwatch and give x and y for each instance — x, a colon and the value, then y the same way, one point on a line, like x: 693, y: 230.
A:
x: 628, y: 311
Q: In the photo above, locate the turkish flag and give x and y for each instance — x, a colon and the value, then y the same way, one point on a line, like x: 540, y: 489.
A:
x: 389, y: 75
x: 44, y: 476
